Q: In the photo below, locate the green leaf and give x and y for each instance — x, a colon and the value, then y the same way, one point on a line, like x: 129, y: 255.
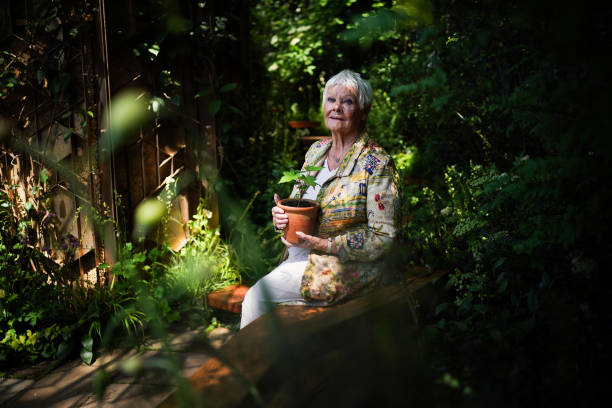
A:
x: 87, y: 342
x: 63, y: 350
x: 67, y: 134
x: 440, y: 308
x: 86, y: 356
x: 286, y: 178
x: 228, y: 87
x: 499, y: 263
x: 309, y: 180
x: 201, y: 93
x: 502, y: 286
x: 226, y: 126
x: 237, y: 111
x: 101, y: 378
x: 153, y: 50
x: 532, y: 302
x: 214, y: 107
x: 44, y: 176
x: 480, y: 308
x: 313, y: 168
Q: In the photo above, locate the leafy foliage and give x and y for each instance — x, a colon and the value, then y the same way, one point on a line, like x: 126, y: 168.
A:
x: 302, y: 177
x: 46, y: 314
x: 495, y: 114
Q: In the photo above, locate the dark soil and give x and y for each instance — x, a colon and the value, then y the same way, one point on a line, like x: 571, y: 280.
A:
x: 297, y: 203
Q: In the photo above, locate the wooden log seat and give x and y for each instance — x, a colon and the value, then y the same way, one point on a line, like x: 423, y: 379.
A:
x: 364, y: 352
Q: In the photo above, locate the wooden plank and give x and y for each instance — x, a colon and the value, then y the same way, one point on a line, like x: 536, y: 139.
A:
x: 229, y: 298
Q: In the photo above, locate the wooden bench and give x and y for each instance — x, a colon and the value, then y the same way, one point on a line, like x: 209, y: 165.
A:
x: 364, y: 351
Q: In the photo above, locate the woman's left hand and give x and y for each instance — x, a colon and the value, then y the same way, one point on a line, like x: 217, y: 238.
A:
x: 310, y: 242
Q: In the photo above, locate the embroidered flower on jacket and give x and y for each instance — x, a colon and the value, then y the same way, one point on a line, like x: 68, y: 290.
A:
x: 355, y: 241
x: 381, y: 206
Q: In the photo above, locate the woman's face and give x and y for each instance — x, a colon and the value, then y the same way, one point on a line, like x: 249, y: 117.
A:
x: 341, y: 110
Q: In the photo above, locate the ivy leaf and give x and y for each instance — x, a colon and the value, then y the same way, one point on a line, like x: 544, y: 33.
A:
x: 313, y: 168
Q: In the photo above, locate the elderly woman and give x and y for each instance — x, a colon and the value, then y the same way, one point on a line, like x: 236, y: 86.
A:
x: 359, y: 201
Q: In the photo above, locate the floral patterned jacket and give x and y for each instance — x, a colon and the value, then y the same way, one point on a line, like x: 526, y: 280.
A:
x: 359, y: 210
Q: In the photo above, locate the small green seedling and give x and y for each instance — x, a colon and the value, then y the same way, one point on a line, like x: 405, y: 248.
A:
x: 302, y: 177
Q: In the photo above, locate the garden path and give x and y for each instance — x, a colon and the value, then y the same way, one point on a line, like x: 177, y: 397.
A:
x: 72, y: 384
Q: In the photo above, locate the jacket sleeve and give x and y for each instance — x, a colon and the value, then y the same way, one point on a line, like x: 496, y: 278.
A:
x: 369, y: 241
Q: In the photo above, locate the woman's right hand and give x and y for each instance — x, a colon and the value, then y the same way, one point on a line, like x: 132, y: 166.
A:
x: 279, y: 218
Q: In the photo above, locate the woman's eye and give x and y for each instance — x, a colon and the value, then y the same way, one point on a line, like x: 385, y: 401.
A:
x: 331, y: 100
x: 348, y: 101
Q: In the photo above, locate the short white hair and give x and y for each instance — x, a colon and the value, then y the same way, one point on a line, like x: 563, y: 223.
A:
x: 352, y: 80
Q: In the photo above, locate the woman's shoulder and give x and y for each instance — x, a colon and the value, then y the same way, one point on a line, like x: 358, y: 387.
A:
x: 319, y: 144
x: 315, y: 149
x: 372, y: 148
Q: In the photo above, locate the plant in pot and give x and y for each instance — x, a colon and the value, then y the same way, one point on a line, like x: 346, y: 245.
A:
x: 302, y: 212
x: 300, y: 120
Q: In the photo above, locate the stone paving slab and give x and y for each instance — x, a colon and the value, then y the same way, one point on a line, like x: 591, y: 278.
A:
x: 9, y: 387
x: 136, y: 378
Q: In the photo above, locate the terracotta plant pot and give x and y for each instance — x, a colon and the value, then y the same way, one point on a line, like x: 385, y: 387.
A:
x: 300, y: 124
x: 302, y: 218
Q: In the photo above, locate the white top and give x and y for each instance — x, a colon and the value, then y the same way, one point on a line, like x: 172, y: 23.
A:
x: 301, y: 254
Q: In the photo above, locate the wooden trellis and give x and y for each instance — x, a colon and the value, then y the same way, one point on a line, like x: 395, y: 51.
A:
x: 62, y: 133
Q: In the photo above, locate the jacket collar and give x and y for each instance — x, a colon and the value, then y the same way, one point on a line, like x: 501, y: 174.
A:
x: 318, y: 158
x: 346, y: 167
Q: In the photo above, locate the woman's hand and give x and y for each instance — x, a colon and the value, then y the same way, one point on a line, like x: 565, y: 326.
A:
x: 279, y: 218
x: 311, y: 242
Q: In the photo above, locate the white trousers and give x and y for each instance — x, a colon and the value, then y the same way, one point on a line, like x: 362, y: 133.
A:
x: 282, y: 285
